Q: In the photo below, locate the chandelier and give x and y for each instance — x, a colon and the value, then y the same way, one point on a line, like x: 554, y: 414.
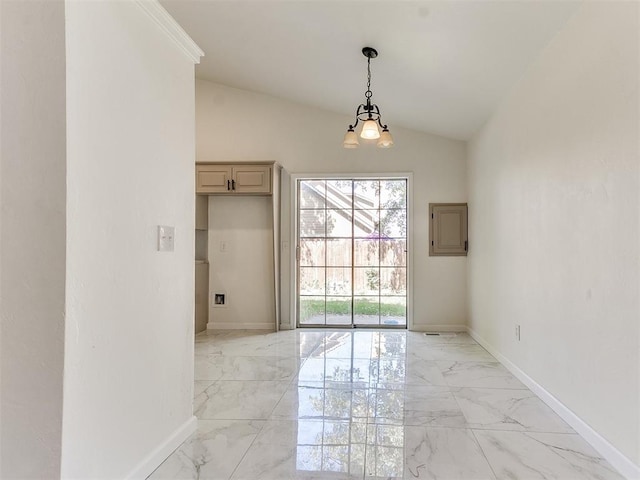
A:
x: 369, y: 114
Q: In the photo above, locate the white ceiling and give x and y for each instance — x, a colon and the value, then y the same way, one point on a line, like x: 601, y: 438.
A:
x: 443, y: 66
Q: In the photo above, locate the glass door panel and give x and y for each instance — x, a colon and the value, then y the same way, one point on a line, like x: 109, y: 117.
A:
x: 339, y: 252
x: 338, y: 310
x: 311, y: 310
x: 352, y: 244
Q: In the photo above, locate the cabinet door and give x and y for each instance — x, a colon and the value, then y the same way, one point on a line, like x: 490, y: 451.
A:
x: 213, y: 179
x: 252, y: 179
x: 448, y: 229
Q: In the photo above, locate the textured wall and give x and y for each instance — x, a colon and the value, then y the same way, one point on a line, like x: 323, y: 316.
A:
x: 32, y: 254
x: 129, y: 336
x: 554, y: 213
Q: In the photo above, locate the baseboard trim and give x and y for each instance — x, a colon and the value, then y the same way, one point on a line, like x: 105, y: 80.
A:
x: 162, y: 451
x: 438, y: 328
x: 241, y: 326
x: 616, y: 458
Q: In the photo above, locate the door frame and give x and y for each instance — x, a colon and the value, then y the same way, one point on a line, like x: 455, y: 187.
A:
x: 293, y: 236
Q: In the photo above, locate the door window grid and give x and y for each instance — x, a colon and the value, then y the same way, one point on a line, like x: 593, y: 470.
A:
x: 321, y: 227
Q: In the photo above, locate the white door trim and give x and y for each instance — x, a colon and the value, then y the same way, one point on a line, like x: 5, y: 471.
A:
x: 293, y: 199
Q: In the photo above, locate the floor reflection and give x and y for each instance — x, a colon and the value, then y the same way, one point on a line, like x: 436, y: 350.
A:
x: 375, y: 405
x: 352, y: 380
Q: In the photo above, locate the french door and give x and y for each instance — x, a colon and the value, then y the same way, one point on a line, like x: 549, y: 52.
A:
x: 352, y: 252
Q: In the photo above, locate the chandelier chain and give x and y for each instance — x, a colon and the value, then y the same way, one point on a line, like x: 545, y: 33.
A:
x: 368, y: 93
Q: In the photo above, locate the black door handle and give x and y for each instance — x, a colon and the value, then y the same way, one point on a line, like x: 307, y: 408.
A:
x: 228, y: 184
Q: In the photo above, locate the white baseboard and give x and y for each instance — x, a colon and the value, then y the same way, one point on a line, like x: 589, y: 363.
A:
x: 241, y: 326
x: 438, y: 328
x: 616, y: 458
x: 162, y: 451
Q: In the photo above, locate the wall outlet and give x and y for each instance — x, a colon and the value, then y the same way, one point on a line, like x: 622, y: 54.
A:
x: 518, y: 332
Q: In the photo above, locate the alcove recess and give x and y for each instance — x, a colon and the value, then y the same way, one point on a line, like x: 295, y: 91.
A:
x: 223, y: 185
x: 202, y: 264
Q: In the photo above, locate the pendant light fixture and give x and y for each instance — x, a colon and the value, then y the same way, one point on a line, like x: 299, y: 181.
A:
x: 369, y: 114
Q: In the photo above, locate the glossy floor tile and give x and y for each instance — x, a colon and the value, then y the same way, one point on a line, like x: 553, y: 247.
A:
x: 213, y: 452
x: 543, y: 455
x: 225, y: 367
x: 499, y: 409
x: 444, y: 453
x: 342, y: 404
x: 236, y: 399
x: 478, y: 374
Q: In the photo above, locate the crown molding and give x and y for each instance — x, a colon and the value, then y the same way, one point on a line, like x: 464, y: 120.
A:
x: 173, y: 30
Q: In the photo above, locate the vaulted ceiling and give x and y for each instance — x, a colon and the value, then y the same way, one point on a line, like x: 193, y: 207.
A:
x: 443, y: 66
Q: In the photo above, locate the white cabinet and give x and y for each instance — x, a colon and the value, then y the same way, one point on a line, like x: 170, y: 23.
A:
x: 229, y: 179
x: 448, y: 229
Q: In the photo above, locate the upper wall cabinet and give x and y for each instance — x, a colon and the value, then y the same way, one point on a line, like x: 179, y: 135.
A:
x: 448, y: 229
x: 225, y: 179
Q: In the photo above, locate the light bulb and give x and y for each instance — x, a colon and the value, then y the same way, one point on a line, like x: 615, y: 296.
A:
x: 350, y: 140
x: 370, y: 130
x: 385, y: 141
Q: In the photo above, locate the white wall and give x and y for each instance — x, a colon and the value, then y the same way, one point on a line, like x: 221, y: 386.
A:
x: 554, y: 213
x: 129, y: 331
x: 244, y: 271
x: 32, y: 255
x: 236, y: 125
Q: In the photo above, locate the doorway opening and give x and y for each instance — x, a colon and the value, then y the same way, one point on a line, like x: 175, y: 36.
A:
x: 351, y: 252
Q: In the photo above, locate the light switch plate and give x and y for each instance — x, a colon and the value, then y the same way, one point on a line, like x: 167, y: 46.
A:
x: 166, y: 236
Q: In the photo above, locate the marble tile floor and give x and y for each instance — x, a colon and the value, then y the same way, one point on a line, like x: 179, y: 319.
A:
x: 362, y: 404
